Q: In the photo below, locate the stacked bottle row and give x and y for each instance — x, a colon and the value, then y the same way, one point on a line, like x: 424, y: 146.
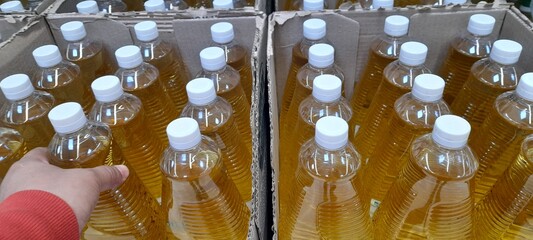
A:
x: 421, y: 180
x: 110, y: 6
x: 131, y: 117
x: 318, y: 5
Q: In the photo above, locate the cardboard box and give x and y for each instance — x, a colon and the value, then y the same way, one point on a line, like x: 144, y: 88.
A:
x: 11, y: 24
x: 351, y: 33
x: 191, y: 35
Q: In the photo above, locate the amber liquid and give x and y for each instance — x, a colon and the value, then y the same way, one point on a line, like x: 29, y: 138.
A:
x: 404, y: 3
x: 134, y: 5
x: 67, y: 90
x: 301, y: 92
x: 298, y: 61
x: 11, y: 150
x: 238, y: 58
x: 455, y: 71
x: 241, y: 111
x: 92, y: 67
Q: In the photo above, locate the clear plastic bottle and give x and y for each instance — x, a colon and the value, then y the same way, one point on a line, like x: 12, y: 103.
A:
x: 498, y: 140
x: 384, y: 50
x: 228, y: 85
x: 87, y: 7
x: 236, y: 55
x: 125, y: 115
x: 12, y: 6
x: 126, y: 210
x: 155, y: 6
x: 216, y: 120
x: 327, y: 199
x: 382, y: 4
x: 433, y: 197
x: 489, y: 77
x: 414, y: 115
x: 60, y: 78
x: 199, y: 199
x: 25, y: 110
x: 12, y: 148
x: 223, y: 4
x: 142, y: 80
x: 111, y: 6
x: 465, y: 50
x: 163, y: 56
x: 305, y: 5
x: 507, y: 210
x: 85, y: 52
x: 398, y: 79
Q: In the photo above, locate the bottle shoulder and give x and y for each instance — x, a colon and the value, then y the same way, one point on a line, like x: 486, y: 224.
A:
x: 35, y: 106
x: 311, y: 110
x: 139, y: 77
x: 224, y: 79
x: 211, y: 116
x: 308, y: 73
x: 155, y: 50
x: 402, y: 75
x: 387, y: 46
x: 515, y: 110
x: 472, y: 45
x: 87, y: 48
x: 61, y: 74
x: 418, y: 113
x: 118, y: 112
x: 496, y: 75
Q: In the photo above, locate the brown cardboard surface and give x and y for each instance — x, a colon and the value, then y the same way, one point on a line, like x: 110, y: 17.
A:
x: 10, y: 24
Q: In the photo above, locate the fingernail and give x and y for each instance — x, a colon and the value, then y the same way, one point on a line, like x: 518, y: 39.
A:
x: 124, y: 171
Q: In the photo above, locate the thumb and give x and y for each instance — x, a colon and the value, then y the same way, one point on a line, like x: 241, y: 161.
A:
x: 109, y: 177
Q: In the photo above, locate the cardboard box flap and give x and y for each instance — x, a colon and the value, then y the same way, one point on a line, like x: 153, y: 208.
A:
x: 11, y: 24
x: 513, y: 29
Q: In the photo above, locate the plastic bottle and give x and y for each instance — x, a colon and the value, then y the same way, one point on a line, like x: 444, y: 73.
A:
x: 111, y: 6
x: 67, y: 85
x: 384, y: 50
x: 87, y: 7
x: 506, y: 211
x: 134, y: 5
x: 398, y: 79
x: 155, y: 6
x: 498, y: 140
x: 223, y: 4
x: 414, y: 115
x: 125, y: 115
x: 11, y: 6
x: 489, y: 77
x: 142, y: 80
x: 236, y: 55
x: 326, y: 100
x: 176, y: 5
x: 327, y: 198
x: 382, y: 4
x: 12, y: 148
x: 216, y: 121
x: 199, y: 199
x: 163, y: 56
x: 432, y: 198
x: 25, y: 110
x: 228, y: 85
x: 126, y: 210
x: 87, y: 53
x: 305, y: 5
x: 465, y: 50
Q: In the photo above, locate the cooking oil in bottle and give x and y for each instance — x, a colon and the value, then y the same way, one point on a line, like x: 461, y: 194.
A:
x: 12, y: 6
x: 163, y: 56
x: 489, y: 77
x: 498, y: 140
x: 414, y: 115
x: 142, y: 80
x: 199, y: 199
x: 88, y: 54
x: 111, y: 6
x: 327, y: 200
x: 228, y: 85
x: 507, y: 210
x: 236, y: 55
x: 404, y: 3
x: 125, y: 115
x: 465, y: 50
x: 25, y: 110
x: 12, y: 148
x: 398, y: 78
x: 134, y: 5
x: 78, y: 143
x: 384, y: 50
x: 215, y: 118
x: 87, y: 7
x: 60, y: 78
x: 326, y: 100
x: 433, y: 197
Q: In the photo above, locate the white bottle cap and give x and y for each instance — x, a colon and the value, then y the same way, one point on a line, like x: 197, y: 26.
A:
x: 107, y: 88
x: 16, y: 87
x: 67, y: 117
x: 314, y: 29
x: 481, y: 24
x: 183, y: 133
x: 313, y: 5
x: 212, y: 58
x: 73, y: 31
x: 525, y: 86
x: 12, y: 6
x: 428, y: 87
x: 413, y: 53
x: 201, y: 91
x: 129, y: 57
x: 223, y: 4
x: 222, y: 32
x: 451, y: 131
x: 87, y: 7
x: 505, y: 52
x: 321, y: 55
x: 385, y: 4
x: 154, y: 6
x: 327, y: 88
x: 396, y: 25
x: 448, y: 2
x: 146, y: 31
x: 331, y: 132
x: 47, y: 56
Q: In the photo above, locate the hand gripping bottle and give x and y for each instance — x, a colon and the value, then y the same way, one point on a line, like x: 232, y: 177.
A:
x: 125, y: 115
x: 433, y: 197
x: 78, y: 143
x: 199, y: 199
x: 12, y: 148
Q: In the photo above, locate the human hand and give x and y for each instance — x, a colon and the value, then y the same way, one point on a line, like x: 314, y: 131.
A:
x: 79, y: 188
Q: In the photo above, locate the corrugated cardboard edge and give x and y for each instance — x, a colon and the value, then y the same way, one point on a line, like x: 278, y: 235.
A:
x: 521, y: 16
x: 13, y: 18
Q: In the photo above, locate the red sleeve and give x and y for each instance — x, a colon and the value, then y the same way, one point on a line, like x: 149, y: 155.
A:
x: 37, y: 214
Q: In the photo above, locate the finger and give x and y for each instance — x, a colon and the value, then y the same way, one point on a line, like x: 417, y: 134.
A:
x: 39, y: 154
x: 109, y: 177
